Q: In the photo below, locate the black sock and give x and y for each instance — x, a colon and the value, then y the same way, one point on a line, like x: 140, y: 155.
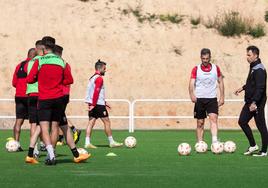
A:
x: 75, y: 152
x: 73, y: 128
x: 60, y: 138
x: 30, y: 152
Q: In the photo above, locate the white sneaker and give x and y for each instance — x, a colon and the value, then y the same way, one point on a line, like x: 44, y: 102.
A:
x: 115, y: 144
x: 36, y: 154
x: 251, y: 150
x: 260, y: 154
x: 90, y: 146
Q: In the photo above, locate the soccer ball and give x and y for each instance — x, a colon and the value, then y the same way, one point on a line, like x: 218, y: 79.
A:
x: 184, y: 149
x: 229, y: 147
x: 130, y: 142
x: 82, y: 151
x: 217, y: 147
x: 12, y: 145
x: 201, y: 147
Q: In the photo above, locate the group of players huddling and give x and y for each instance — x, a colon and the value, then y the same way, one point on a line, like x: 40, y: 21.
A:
x: 42, y: 83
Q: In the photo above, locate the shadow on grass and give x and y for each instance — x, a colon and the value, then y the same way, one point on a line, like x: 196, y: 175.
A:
x: 61, y: 161
x: 103, y: 146
x: 65, y: 161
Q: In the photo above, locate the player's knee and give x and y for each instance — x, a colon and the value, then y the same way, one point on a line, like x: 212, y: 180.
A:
x: 200, y: 124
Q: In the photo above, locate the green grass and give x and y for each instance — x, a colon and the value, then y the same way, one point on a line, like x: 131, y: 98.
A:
x: 153, y: 163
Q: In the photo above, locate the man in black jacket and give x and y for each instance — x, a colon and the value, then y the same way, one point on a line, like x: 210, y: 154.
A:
x: 255, y: 99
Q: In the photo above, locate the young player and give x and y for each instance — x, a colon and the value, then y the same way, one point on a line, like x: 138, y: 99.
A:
x: 95, y: 98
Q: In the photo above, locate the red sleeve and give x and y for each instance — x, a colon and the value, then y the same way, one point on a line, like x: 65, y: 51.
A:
x: 218, y: 71
x: 98, y: 85
x: 32, y: 76
x: 67, y: 75
x: 15, y: 79
x: 194, y: 72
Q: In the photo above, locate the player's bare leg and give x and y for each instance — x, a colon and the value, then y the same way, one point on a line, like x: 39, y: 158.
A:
x: 108, y: 132
x: 70, y: 142
x: 54, y: 133
x: 200, y: 129
x: 17, y: 129
x: 89, y: 129
x: 46, y: 139
x: 213, y: 120
x: 31, y: 157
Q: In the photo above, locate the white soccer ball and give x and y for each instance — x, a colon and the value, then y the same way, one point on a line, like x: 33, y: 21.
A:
x: 229, y: 147
x: 217, y: 147
x: 82, y: 151
x: 201, y: 147
x: 184, y: 149
x: 130, y: 142
x: 12, y: 145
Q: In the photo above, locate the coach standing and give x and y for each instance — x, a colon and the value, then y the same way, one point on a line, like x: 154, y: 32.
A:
x: 255, y: 99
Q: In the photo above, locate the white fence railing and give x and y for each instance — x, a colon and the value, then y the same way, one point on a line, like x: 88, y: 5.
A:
x: 133, y: 116
x: 84, y: 117
x: 131, y: 110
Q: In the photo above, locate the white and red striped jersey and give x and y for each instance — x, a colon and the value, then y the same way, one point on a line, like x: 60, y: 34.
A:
x: 95, y: 90
x: 206, y: 80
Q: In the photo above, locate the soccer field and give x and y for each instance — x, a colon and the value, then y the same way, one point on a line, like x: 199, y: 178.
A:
x: 153, y: 163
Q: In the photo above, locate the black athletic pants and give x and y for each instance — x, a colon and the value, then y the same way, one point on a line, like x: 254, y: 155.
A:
x: 259, y: 117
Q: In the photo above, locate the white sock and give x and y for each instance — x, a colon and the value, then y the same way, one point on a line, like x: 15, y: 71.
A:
x: 36, y: 148
x: 214, y: 139
x: 41, y: 143
x: 87, y: 140
x: 111, y: 140
x: 50, y: 151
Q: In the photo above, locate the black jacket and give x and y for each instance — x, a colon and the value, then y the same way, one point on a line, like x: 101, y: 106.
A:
x: 255, y: 88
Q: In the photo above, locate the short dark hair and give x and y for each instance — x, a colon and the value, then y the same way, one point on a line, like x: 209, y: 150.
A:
x: 99, y: 64
x: 205, y: 51
x: 254, y: 49
x: 48, y: 42
x: 57, y: 49
x: 39, y: 42
x: 30, y: 51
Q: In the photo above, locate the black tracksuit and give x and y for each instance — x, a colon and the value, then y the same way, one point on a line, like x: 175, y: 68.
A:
x: 255, y: 91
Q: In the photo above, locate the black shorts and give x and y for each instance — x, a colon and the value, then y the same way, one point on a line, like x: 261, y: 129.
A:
x: 205, y: 106
x: 21, y: 107
x: 99, y: 111
x: 50, y: 109
x: 32, y: 109
x: 66, y: 99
